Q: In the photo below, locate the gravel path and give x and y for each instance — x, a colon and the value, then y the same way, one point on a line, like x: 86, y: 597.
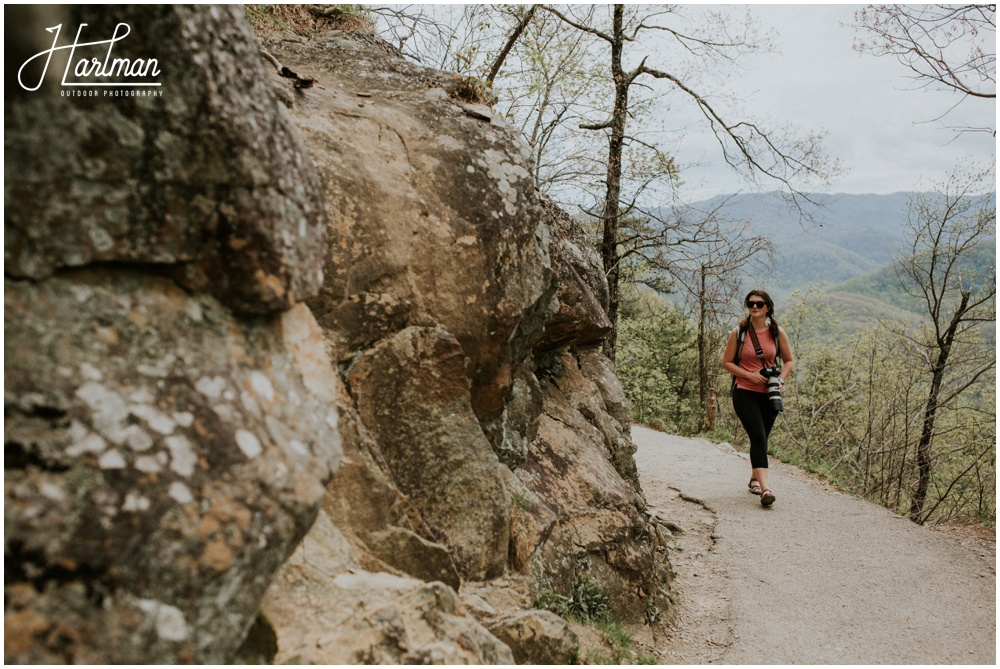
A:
x: 819, y: 578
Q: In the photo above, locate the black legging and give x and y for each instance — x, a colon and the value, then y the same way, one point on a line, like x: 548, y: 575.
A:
x: 757, y: 416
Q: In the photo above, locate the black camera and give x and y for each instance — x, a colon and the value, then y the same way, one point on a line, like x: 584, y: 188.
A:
x: 773, y: 374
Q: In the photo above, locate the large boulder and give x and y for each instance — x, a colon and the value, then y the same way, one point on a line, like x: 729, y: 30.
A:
x: 412, y: 393
x: 580, y: 514
x: 484, y: 432
x: 162, y: 461
x: 386, y: 530
x: 581, y: 318
x: 538, y: 637
x: 208, y: 180
x: 169, y: 406
x: 433, y: 215
x: 326, y: 609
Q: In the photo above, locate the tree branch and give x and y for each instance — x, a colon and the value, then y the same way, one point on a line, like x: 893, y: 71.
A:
x: 502, y: 56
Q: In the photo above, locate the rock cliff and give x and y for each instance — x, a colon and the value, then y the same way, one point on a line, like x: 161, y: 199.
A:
x: 315, y: 367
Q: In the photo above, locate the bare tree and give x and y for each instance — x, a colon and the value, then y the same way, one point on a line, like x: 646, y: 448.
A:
x: 745, y: 145
x: 710, y: 282
x: 959, y: 294
x: 700, y: 251
x: 546, y: 88
x: 448, y: 37
x: 950, y: 47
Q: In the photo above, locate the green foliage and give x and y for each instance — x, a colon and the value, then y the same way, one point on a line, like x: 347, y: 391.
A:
x: 587, y: 602
x: 599, y: 657
x: 658, y: 366
x: 620, y: 642
x: 615, y: 632
x: 588, y: 605
x: 884, y: 287
x: 853, y: 415
x: 853, y: 407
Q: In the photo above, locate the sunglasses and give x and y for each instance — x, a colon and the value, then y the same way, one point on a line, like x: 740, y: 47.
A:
x: 756, y: 305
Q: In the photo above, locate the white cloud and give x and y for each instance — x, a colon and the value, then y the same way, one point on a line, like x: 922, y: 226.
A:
x: 881, y: 129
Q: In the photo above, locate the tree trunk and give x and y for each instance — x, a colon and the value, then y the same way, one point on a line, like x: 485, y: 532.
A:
x: 609, y: 243
x: 944, y: 344
x: 924, y: 448
x: 702, y: 344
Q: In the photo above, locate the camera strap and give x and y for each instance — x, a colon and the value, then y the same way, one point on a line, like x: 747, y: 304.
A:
x: 756, y: 344
x: 740, y: 338
x: 760, y: 351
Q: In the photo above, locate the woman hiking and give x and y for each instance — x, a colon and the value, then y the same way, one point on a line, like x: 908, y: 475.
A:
x: 761, y: 342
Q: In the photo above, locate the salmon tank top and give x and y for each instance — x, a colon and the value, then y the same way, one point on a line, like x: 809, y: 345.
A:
x: 750, y: 362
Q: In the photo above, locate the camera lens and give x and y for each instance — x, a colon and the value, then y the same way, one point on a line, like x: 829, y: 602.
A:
x: 774, y: 392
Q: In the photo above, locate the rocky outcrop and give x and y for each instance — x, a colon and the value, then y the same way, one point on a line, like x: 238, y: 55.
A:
x: 208, y: 181
x: 312, y: 362
x: 411, y: 390
x: 482, y: 427
x: 538, y: 637
x: 326, y: 609
x: 582, y: 288
x: 163, y: 453
x: 584, y: 518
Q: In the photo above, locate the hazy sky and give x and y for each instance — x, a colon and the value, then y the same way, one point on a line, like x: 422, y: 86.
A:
x: 884, y: 135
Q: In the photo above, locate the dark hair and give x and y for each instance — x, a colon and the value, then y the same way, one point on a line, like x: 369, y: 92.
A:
x: 773, y: 327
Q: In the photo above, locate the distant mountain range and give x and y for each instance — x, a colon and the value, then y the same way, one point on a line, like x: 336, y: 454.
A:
x: 850, y: 246
x: 852, y: 235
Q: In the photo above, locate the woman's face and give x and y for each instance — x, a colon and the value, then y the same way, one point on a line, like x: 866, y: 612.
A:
x: 757, y: 305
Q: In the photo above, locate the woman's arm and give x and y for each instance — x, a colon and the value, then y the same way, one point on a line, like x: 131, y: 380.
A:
x: 727, y: 363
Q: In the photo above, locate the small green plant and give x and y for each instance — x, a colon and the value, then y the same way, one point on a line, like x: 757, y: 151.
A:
x: 598, y: 657
x: 718, y: 436
x: 653, y: 612
x: 472, y: 89
x: 622, y: 646
x: 587, y: 602
x: 615, y: 632
x: 518, y: 502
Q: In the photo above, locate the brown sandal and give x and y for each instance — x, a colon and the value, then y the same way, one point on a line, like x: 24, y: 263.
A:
x: 766, y: 498
x: 754, y: 486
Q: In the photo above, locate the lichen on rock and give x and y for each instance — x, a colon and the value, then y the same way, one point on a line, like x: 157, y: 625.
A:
x: 162, y: 460
x: 169, y: 418
x: 209, y: 181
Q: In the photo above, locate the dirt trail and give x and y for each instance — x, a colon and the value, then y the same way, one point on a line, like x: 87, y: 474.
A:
x: 820, y: 578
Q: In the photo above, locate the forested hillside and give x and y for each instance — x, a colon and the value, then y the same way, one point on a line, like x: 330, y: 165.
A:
x: 848, y: 249
x: 890, y: 308
x: 884, y: 284
x: 851, y: 235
